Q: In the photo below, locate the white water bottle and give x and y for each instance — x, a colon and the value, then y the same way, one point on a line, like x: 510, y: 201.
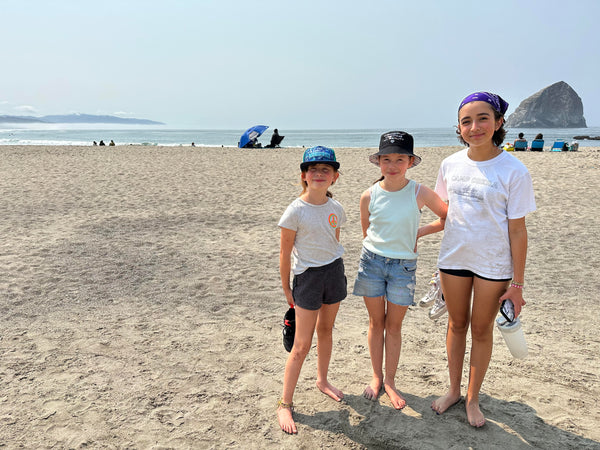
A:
x: 512, y: 332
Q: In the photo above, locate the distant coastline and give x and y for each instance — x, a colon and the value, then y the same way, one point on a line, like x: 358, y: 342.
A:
x: 125, y: 134
x: 76, y: 118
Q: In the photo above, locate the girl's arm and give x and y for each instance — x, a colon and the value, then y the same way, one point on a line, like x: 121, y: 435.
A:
x: 517, y: 233
x: 285, y: 264
x: 365, y: 200
x: 428, y: 197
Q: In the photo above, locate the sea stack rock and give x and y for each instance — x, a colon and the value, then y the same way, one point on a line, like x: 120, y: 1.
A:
x: 556, y: 106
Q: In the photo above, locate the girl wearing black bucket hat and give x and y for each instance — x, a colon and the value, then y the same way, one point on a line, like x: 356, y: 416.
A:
x: 310, y: 233
x: 389, y: 212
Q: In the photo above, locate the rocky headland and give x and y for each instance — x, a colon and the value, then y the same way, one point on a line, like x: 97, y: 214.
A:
x: 555, y: 106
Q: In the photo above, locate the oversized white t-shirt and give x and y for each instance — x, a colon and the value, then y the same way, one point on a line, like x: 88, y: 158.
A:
x: 482, y: 196
x: 316, y: 244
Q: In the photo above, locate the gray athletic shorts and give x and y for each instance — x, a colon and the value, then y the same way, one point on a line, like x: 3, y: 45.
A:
x: 317, y: 286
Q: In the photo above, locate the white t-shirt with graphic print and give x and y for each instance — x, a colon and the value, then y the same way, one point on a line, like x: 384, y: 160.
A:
x: 316, y: 244
x: 482, y: 196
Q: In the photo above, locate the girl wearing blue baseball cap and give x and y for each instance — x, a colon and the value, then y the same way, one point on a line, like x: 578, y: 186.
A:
x: 390, y: 211
x: 482, y: 254
x: 310, y: 247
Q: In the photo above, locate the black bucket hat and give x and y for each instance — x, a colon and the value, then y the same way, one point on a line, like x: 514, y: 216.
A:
x: 395, y: 142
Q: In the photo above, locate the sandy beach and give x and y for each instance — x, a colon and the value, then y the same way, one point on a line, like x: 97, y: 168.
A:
x: 141, y: 308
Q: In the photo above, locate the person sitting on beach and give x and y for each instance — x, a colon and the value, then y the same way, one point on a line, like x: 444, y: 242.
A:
x: 112, y: 143
x: 522, y: 143
x: 483, y: 250
x: 275, y: 139
x: 102, y: 142
x: 310, y: 232
x: 389, y: 215
x: 521, y: 138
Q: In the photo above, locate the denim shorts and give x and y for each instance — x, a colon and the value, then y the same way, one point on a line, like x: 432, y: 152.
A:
x: 380, y: 276
x: 317, y: 286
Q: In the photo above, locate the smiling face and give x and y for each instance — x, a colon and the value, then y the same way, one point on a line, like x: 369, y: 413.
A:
x: 319, y: 176
x: 394, y: 164
x: 477, y: 123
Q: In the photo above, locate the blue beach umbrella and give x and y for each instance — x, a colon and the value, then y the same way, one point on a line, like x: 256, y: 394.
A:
x: 251, y: 133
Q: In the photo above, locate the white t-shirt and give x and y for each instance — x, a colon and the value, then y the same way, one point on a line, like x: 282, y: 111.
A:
x: 316, y: 244
x: 482, y: 196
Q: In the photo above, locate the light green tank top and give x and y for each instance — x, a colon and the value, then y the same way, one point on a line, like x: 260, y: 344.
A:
x: 394, y: 221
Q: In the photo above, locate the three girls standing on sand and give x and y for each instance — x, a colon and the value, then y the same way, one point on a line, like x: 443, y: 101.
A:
x: 481, y: 262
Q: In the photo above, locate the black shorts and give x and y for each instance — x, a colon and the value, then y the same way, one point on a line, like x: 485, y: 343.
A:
x: 320, y: 285
x: 468, y: 274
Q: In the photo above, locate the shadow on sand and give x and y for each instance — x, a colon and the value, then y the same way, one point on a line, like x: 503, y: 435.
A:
x: 375, y: 426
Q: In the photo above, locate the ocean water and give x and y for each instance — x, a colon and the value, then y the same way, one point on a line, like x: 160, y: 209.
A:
x: 153, y: 135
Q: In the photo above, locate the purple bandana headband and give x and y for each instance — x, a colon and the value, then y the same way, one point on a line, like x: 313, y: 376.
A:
x: 494, y: 100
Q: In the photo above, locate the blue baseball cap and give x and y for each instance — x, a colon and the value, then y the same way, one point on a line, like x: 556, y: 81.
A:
x: 319, y: 155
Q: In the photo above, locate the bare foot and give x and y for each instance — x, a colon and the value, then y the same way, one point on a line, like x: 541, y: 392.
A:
x: 397, y: 400
x: 371, y: 392
x: 327, y: 389
x: 441, y: 404
x: 286, y: 422
x: 474, y: 414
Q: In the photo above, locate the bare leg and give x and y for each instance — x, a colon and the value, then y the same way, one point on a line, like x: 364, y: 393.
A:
x: 325, y: 322
x: 393, y: 344
x: 485, y: 308
x: 305, y: 326
x: 376, y: 308
x: 457, y: 292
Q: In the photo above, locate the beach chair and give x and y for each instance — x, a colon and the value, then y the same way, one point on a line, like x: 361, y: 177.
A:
x: 537, y: 145
x: 275, y: 141
x: 558, y: 146
x: 520, y: 146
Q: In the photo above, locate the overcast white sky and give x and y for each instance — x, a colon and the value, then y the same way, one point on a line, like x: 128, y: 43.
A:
x: 291, y: 65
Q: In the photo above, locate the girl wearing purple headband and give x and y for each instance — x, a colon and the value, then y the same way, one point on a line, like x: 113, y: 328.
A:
x: 496, y: 104
x: 482, y: 253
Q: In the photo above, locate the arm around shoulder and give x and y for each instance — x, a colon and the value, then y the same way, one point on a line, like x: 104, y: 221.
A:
x: 428, y: 197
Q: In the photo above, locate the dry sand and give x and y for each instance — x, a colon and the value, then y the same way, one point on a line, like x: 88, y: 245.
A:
x: 141, y: 308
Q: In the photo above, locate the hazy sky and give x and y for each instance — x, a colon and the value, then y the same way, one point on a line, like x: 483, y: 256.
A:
x: 291, y: 65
